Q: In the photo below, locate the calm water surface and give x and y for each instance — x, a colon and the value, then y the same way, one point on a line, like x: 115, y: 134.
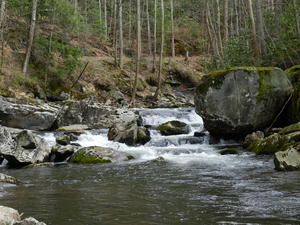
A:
x: 194, y: 184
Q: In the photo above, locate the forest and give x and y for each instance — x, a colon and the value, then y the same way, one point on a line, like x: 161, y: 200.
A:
x: 182, y: 112
x: 139, y: 34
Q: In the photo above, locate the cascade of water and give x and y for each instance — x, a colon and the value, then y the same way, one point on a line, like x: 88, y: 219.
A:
x: 178, y: 148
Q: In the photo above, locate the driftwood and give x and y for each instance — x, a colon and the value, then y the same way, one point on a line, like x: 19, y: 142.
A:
x: 73, y: 85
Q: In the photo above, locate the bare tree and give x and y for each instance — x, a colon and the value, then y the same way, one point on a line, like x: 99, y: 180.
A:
x: 225, y: 23
x: 253, y: 28
x: 173, y: 30
x: 260, y: 28
x: 157, y: 92
x: 297, y: 17
x: 31, y: 35
x: 2, y: 13
x: 154, y: 36
x: 138, y: 49
x: 148, y: 28
x: 105, y: 19
x: 121, y: 34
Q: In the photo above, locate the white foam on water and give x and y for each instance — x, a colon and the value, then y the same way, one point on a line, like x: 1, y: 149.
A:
x: 49, y: 138
x: 178, y: 149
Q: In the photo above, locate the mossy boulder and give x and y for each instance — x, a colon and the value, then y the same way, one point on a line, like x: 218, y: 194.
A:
x: 130, y: 134
x: 292, y: 111
x: 240, y: 100
x: 173, y: 128
x: 97, y: 154
x: 250, y: 138
x: 270, y: 145
x: 63, y: 140
x: 287, y: 160
x: 229, y: 151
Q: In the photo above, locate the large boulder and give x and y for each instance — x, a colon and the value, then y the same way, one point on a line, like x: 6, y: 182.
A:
x: 287, y: 160
x: 27, y: 115
x: 239, y: 101
x: 291, y: 113
x: 97, y: 154
x: 94, y: 115
x: 26, y: 148
x: 173, y: 128
x: 130, y: 134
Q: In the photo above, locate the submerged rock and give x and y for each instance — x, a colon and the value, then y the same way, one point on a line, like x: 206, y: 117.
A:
x: 238, y: 101
x: 130, y: 134
x: 174, y: 128
x: 287, y: 160
x: 26, y: 148
x: 30, y: 221
x: 97, y: 154
x: 229, y: 151
x: 8, y: 179
x: 27, y: 115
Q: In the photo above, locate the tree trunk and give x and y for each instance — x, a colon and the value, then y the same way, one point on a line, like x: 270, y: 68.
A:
x: 148, y: 28
x: 253, y: 29
x: 297, y: 17
x: 100, y: 12
x: 2, y: 13
x: 277, y: 16
x: 130, y: 23
x: 173, y: 30
x: 157, y: 92
x: 138, y: 49
x: 121, y: 34
x: 219, y: 36
x: 105, y: 19
x: 154, y: 36
x: 260, y: 28
x: 237, y: 21
x: 115, y: 35
x: 225, y: 23
x: 31, y: 35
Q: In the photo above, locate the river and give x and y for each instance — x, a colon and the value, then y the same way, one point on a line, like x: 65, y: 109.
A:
x: 191, y: 183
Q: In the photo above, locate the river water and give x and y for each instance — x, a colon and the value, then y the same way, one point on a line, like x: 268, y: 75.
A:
x: 191, y: 184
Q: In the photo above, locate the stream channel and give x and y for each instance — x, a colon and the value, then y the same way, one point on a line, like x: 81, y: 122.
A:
x: 173, y: 180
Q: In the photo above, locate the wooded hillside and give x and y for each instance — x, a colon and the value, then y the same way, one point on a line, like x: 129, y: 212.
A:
x: 44, y: 42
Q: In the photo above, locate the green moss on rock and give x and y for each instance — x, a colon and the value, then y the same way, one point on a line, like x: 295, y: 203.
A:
x: 83, y: 157
x: 290, y: 129
x: 173, y: 128
x: 269, y: 145
x: 215, y: 79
